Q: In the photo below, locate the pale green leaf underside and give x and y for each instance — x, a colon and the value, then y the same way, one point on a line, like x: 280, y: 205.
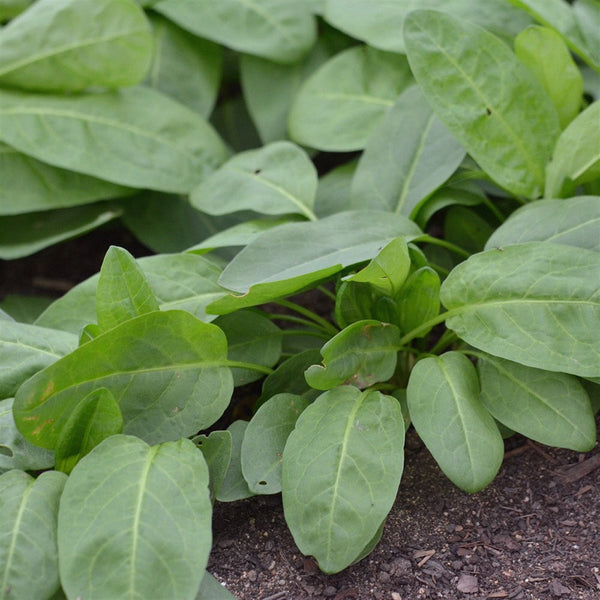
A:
x: 537, y: 304
x: 135, y: 522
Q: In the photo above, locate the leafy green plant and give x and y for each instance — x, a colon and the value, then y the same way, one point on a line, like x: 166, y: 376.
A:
x: 456, y: 249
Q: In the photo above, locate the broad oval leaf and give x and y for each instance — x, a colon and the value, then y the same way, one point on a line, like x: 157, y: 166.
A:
x: 29, y: 185
x: 576, y: 156
x: 265, y: 439
x: 15, y: 451
x: 280, y: 30
x: 339, y: 105
x: 361, y: 354
x: 94, y: 419
x: 69, y: 45
x: 27, y: 349
x: 123, y: 292
x: 537, y: 304
x: 471, y: 79
x: 166, y: 371
x: 408, y: 156
x: 573, y: 222
x: 551, y: 408
x: 179, y: 281
x: 341, y: 470
x: 28, y: 552
x: 165, y: 147
x: 234, y: 486
x: 260, y: 180
x: 546, y: 54
x: 135, y: 521
x: 184, y: 66
x: 379, y: 22
x: 445, y: 408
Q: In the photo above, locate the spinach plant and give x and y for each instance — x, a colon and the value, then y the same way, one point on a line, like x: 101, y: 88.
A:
x: 432, y: 175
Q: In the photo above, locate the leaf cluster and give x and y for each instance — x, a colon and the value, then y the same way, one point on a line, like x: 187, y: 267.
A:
x: 432, y: 176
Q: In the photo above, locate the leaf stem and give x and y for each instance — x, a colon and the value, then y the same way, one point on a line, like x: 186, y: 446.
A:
x: 327, y: 292
x: 308, y: 332
x: 444, y: 244
x: 309, y: 314
x: 411, y: 335
x: 245, y: 365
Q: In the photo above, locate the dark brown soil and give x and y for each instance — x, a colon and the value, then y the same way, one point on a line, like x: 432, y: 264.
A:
x: 534, y: 534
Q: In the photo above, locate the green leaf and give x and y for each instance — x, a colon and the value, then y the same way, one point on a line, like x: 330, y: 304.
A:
x: 551, y: 408
x: 211, y: 589
x: 123, y: 292
x: 252, y: 338
x: 165, y: 146
x: 407, y: 157
x: 280, y: 30
x: 135, y: 521
x: 388, y: 270
x: 24, y: 309
x: 380, y: 22
x: 265, y: 439
x: 26, y: 349
x: 333, y: 191
x: 216, y: 448
x: 445, y: 408
x: 419, y: 300
x: 179, y: 281
x: 15, y: 451
x: 301, y: 249
x: 576, y: 156
x: 573, y: 222
x: 587, y: 15
x: 259, y: 180
x: 94, y: 419
x: 184, y: 66
x: 341, y: 470
x: 25, y: 234
x: 69, y: 45
x: 465, y: 228
x: 234, y: 486
x: 448, y: 195
x: 11, y: 8
x: 339, y: 106
x: 361, y: 354
x: 471, y: 79
x: 28, y: 553
x: 536, y: 304
x: 30, y: 185
x: 166, y: 371
x: 546, y: 54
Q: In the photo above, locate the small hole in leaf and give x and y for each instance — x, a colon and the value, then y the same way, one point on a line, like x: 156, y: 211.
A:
x: 262, y: 483
x: 488, y: 111
x: 6, y: 451
x: 257, y: 171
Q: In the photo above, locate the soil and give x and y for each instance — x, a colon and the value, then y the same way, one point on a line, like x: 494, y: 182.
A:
x: 533, y: 534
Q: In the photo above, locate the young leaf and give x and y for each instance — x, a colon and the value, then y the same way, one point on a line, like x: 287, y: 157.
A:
x: 123, y: 292
x: 29, y: 185
x: 216, y: 448
x: 253, y: 338
x: 259, y: 180
x: 362, y: 354
x: 339, y: 105
x: 341, y: 470
x: 573, y: 222
x: 265, y: 439
x: 28, y: 553
x: 418, y: 300
x: 536, y: 304
x: 576, y: 156
x: 445, y: 408
x: 25, y: 234
x: 26, y: 349
x: 94, y: 419
x: 135, y: 521
x: 166, y: 370
x: 388, y: 270
x: 471, y: 79
x: 234, y: 486
x: 546, y: 54
x: 179, y: 281
x: 280, y: 30
x: 354, y: 302
x: 69, y: 45
x: 15, y: 451
x: 184, y: 66
x: 164, y: 147
x: 408, y: 156
x: 551, y: 408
